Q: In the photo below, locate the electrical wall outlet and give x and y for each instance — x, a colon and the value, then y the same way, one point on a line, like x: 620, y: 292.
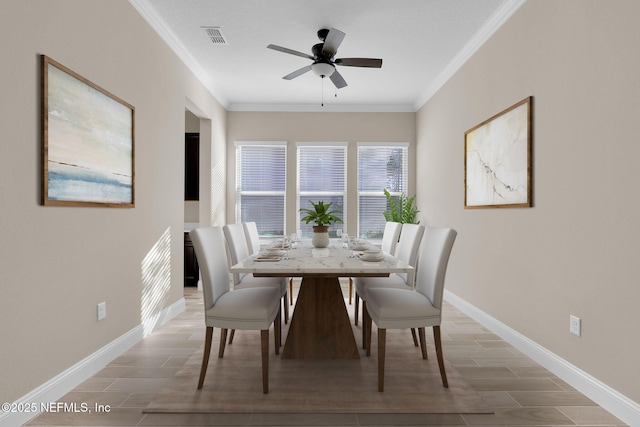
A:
x: 575, y: 325
x: 102, y: 310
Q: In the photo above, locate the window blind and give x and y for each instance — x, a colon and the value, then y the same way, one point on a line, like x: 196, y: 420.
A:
x: 379, y: 167
x: 321, y: 177
x: 260, y: 186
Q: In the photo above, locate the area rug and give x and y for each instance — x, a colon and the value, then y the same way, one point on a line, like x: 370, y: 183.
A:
x: 234, y: 383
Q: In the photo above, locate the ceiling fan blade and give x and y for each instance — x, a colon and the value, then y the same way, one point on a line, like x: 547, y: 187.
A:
x: 332, y: 42
x: 289, y: 51
x: 337, y: 80
x: 360, y: 62
x: 297, y: 73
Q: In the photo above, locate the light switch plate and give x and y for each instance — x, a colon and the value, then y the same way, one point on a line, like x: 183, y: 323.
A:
x: 575, y: 325
x: 102, y: 310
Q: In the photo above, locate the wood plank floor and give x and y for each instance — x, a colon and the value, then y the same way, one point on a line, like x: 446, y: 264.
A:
x: 521, y: 392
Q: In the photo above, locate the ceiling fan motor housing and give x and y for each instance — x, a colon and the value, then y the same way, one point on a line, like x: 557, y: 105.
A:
x: 317, y: 51
x: 322, y: 33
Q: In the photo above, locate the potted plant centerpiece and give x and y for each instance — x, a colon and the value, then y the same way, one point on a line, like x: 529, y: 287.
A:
x: 322, y: 217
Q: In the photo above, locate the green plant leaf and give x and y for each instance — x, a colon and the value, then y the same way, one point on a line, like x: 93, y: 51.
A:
x: 320, y: 214
x: 402, y: 210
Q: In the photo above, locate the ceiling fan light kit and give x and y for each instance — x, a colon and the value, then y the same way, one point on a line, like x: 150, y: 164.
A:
x: 324, y: 64
x: 322, y: 69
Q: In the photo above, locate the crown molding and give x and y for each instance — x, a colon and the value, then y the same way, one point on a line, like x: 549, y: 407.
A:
x: 152, y: 18
x: 327, y: 108
x: 495, y: 22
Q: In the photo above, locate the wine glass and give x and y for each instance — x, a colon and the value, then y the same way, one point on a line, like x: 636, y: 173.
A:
x: 352, y: 242
x: 345, y: 240
x: 286, y: 244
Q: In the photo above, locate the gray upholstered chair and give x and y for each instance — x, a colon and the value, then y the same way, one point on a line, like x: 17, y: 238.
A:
x: 398, y: 308
x: 253, y: 237
x: 390, y: 237
x: 389, y: 242
x: 253, y: 244
x: 245, y: 309
x: 407, y: 251
x: 238, y: 251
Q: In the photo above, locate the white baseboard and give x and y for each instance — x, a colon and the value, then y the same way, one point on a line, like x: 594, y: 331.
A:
x: 67, y: 380
x: 611, y: 400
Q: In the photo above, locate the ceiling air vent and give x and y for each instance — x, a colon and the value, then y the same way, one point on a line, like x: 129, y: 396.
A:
x: 215, y: 35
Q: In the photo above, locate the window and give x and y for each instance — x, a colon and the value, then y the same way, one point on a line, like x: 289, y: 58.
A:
x: 260, y: 185
x: 322, y: 176
x: 380, y: 166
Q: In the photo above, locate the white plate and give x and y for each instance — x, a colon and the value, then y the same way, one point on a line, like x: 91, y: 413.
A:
x: 371, y: 259
x: 277, y: 245
x: 272, y: 252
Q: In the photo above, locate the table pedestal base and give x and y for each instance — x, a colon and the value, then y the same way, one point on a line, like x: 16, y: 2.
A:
x: 320, y: 327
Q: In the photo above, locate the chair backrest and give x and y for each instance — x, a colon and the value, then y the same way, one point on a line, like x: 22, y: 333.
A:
x: 432, y: 265
x: 253, y: 238
x: 390, y: 237
x: 238, y: 249
x: 209, y: 244
x: 408, y: 248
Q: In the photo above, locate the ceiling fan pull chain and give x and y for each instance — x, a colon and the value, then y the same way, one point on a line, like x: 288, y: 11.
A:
x: 322, y: 93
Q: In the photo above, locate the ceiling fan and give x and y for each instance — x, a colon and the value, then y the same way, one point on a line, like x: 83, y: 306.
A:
x: 324, y: 64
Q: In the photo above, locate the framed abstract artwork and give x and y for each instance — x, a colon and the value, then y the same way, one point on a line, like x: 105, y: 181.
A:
x: 497, y: 160
x: 87, y: 142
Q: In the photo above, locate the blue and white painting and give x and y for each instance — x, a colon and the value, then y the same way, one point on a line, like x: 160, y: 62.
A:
x: 89, y: 141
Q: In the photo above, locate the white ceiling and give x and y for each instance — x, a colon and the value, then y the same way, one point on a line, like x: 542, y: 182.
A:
x: 422, y: 43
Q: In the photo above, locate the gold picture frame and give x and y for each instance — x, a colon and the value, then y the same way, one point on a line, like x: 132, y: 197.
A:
x: 88, y: 143
x: 497, y: 160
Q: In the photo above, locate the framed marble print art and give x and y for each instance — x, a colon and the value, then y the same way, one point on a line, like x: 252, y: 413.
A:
x: 87, y: 142
x: 497, y: 160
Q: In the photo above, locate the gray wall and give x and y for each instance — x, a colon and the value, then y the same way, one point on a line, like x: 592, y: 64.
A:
x: 318, y: 127
x: 58, y: 263
x: 575, y: 251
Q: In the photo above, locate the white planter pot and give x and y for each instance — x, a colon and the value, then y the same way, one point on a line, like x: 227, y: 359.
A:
x: 320, y: 237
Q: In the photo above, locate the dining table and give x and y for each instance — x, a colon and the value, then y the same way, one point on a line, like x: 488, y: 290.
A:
x: 320, y: 327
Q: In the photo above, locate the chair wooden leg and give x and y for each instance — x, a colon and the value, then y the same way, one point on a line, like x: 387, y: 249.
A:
x: 356, y: 309
x: 443, y: 374
x: 277, y: 331
x: 423, y: 343
x: 264, y: 339
x: 285, y: 304
x: 367, y: 324
x: 223, y: 341
x: 205, y: 356
x: 414, y: 336
x: 280, y: 329
x: 291, y: 291
x: 382, y: 343
x: 232, y: 334
x: 350, y: 289
x: 365, y: 317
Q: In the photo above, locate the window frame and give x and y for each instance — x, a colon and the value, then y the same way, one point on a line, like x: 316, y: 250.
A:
x: 239, y: 192
x: 368, y: 193
x: 310, y: 195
